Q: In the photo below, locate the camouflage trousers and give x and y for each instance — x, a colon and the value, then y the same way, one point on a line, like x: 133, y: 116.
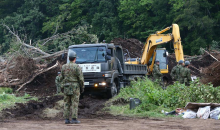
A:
x: 184, y: 81
x: 58, y: 89
x: 71, y: 103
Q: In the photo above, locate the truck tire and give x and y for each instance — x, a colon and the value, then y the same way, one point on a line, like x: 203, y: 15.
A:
x: 113, y: 90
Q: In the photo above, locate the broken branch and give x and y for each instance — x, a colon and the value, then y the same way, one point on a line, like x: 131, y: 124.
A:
x: 24, y: 44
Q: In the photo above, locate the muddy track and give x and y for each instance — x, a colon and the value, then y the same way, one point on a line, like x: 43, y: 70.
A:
x: 88, y: 108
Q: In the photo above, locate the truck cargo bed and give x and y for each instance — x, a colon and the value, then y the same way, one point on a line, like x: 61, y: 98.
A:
x: 135, y: 69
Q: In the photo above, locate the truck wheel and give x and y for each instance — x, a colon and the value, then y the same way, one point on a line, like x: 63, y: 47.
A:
x: 113, y: 90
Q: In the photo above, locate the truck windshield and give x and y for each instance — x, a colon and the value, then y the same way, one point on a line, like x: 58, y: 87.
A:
x: 89, y: 54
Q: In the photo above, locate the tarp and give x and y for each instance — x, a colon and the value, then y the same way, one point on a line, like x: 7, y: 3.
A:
x: 193, y: 105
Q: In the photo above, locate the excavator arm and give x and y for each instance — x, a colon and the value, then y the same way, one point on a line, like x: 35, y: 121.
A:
x: 158, y: 39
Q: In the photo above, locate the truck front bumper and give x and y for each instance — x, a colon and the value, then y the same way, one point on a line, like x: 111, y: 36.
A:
x: 97, y: 85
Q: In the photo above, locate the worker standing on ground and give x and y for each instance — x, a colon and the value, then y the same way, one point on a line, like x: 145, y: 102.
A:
x: 73, y: 84
x: 185, y: 75
x: 58, y: 83
x: 175, y: 73
x: 156, y: 71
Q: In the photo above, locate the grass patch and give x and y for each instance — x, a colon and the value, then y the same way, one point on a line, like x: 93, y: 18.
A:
x: 125, y: 111
x: 155, y: 99
x: 8, y: 99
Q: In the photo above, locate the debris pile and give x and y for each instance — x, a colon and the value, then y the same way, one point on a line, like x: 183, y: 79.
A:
x: 24, y: 68
x: 20, y: 70
x: 211, y: 74
x: 132, y: 47
x: 204, y: 66
x: 197, y: 63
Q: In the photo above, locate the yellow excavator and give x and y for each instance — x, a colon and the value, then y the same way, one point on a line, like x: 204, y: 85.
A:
x: 152, y: 53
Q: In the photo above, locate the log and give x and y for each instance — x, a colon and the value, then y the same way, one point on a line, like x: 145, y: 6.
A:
x: 210, y: 54
x: 45, y: 70
x: 194, y: 67
x: 56, y: 54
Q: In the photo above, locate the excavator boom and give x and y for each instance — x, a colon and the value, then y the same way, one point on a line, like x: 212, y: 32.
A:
x: 178, y: 48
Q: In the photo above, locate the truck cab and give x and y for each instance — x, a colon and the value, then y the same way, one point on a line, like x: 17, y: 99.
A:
x: 104, y: 68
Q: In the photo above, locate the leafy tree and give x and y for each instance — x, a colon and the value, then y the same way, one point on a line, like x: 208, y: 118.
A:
x: 199, y: 20
x: 135, y: 16
x: 8, y: 7
x: 105, y: 21
x: 196, y: 24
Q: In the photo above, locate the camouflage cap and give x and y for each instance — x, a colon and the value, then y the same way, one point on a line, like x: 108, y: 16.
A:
x: 58, y: 72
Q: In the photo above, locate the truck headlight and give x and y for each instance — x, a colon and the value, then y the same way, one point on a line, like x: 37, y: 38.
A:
x: 103, y: 83
x: 96, y: 85
x: 108, y: 75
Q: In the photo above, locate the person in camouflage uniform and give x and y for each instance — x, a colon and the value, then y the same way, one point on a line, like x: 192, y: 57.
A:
x: 58, y: 83
x: 156, y: 71
x: 185, y: 75
x: 175, y: 73
x: 73, y: 84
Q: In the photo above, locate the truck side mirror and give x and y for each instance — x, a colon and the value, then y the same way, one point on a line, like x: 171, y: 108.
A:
x: 107, y: 57
x: 108, y: 51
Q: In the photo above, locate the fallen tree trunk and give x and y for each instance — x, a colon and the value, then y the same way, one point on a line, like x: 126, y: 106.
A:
x: 210, y: 54
x: 56, y: 54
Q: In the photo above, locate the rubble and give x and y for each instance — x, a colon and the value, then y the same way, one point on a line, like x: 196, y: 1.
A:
x: 132, y: 47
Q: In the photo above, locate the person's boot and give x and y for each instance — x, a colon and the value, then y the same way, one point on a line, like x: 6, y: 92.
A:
x: 75, y: 121
x: 67, y: 121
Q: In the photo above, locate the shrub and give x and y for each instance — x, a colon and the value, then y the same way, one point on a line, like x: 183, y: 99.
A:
x: 154, y: 98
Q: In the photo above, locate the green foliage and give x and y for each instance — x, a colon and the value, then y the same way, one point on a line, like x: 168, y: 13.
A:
x: 77, y: 35
x: 7, y: 7
x: 6, y: 90
x: 33, y: 20
x: 8, y: 99
x: 154, y: 98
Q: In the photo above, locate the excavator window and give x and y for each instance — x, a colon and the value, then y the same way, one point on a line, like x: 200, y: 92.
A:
x: 162, y: 58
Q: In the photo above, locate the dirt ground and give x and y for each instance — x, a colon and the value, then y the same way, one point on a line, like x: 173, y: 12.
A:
x: 113, y: 124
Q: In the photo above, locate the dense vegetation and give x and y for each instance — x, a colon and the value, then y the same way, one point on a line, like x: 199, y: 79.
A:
x: 38, y: 19
x: 155, y: 99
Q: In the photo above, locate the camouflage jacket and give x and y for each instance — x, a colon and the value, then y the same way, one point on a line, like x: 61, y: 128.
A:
x: 156, y: 72
x: 185, y: 75
x: 72, y: 77
x: 175, y: 73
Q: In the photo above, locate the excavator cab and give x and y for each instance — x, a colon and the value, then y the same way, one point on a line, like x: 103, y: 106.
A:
x: 161, y: 55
